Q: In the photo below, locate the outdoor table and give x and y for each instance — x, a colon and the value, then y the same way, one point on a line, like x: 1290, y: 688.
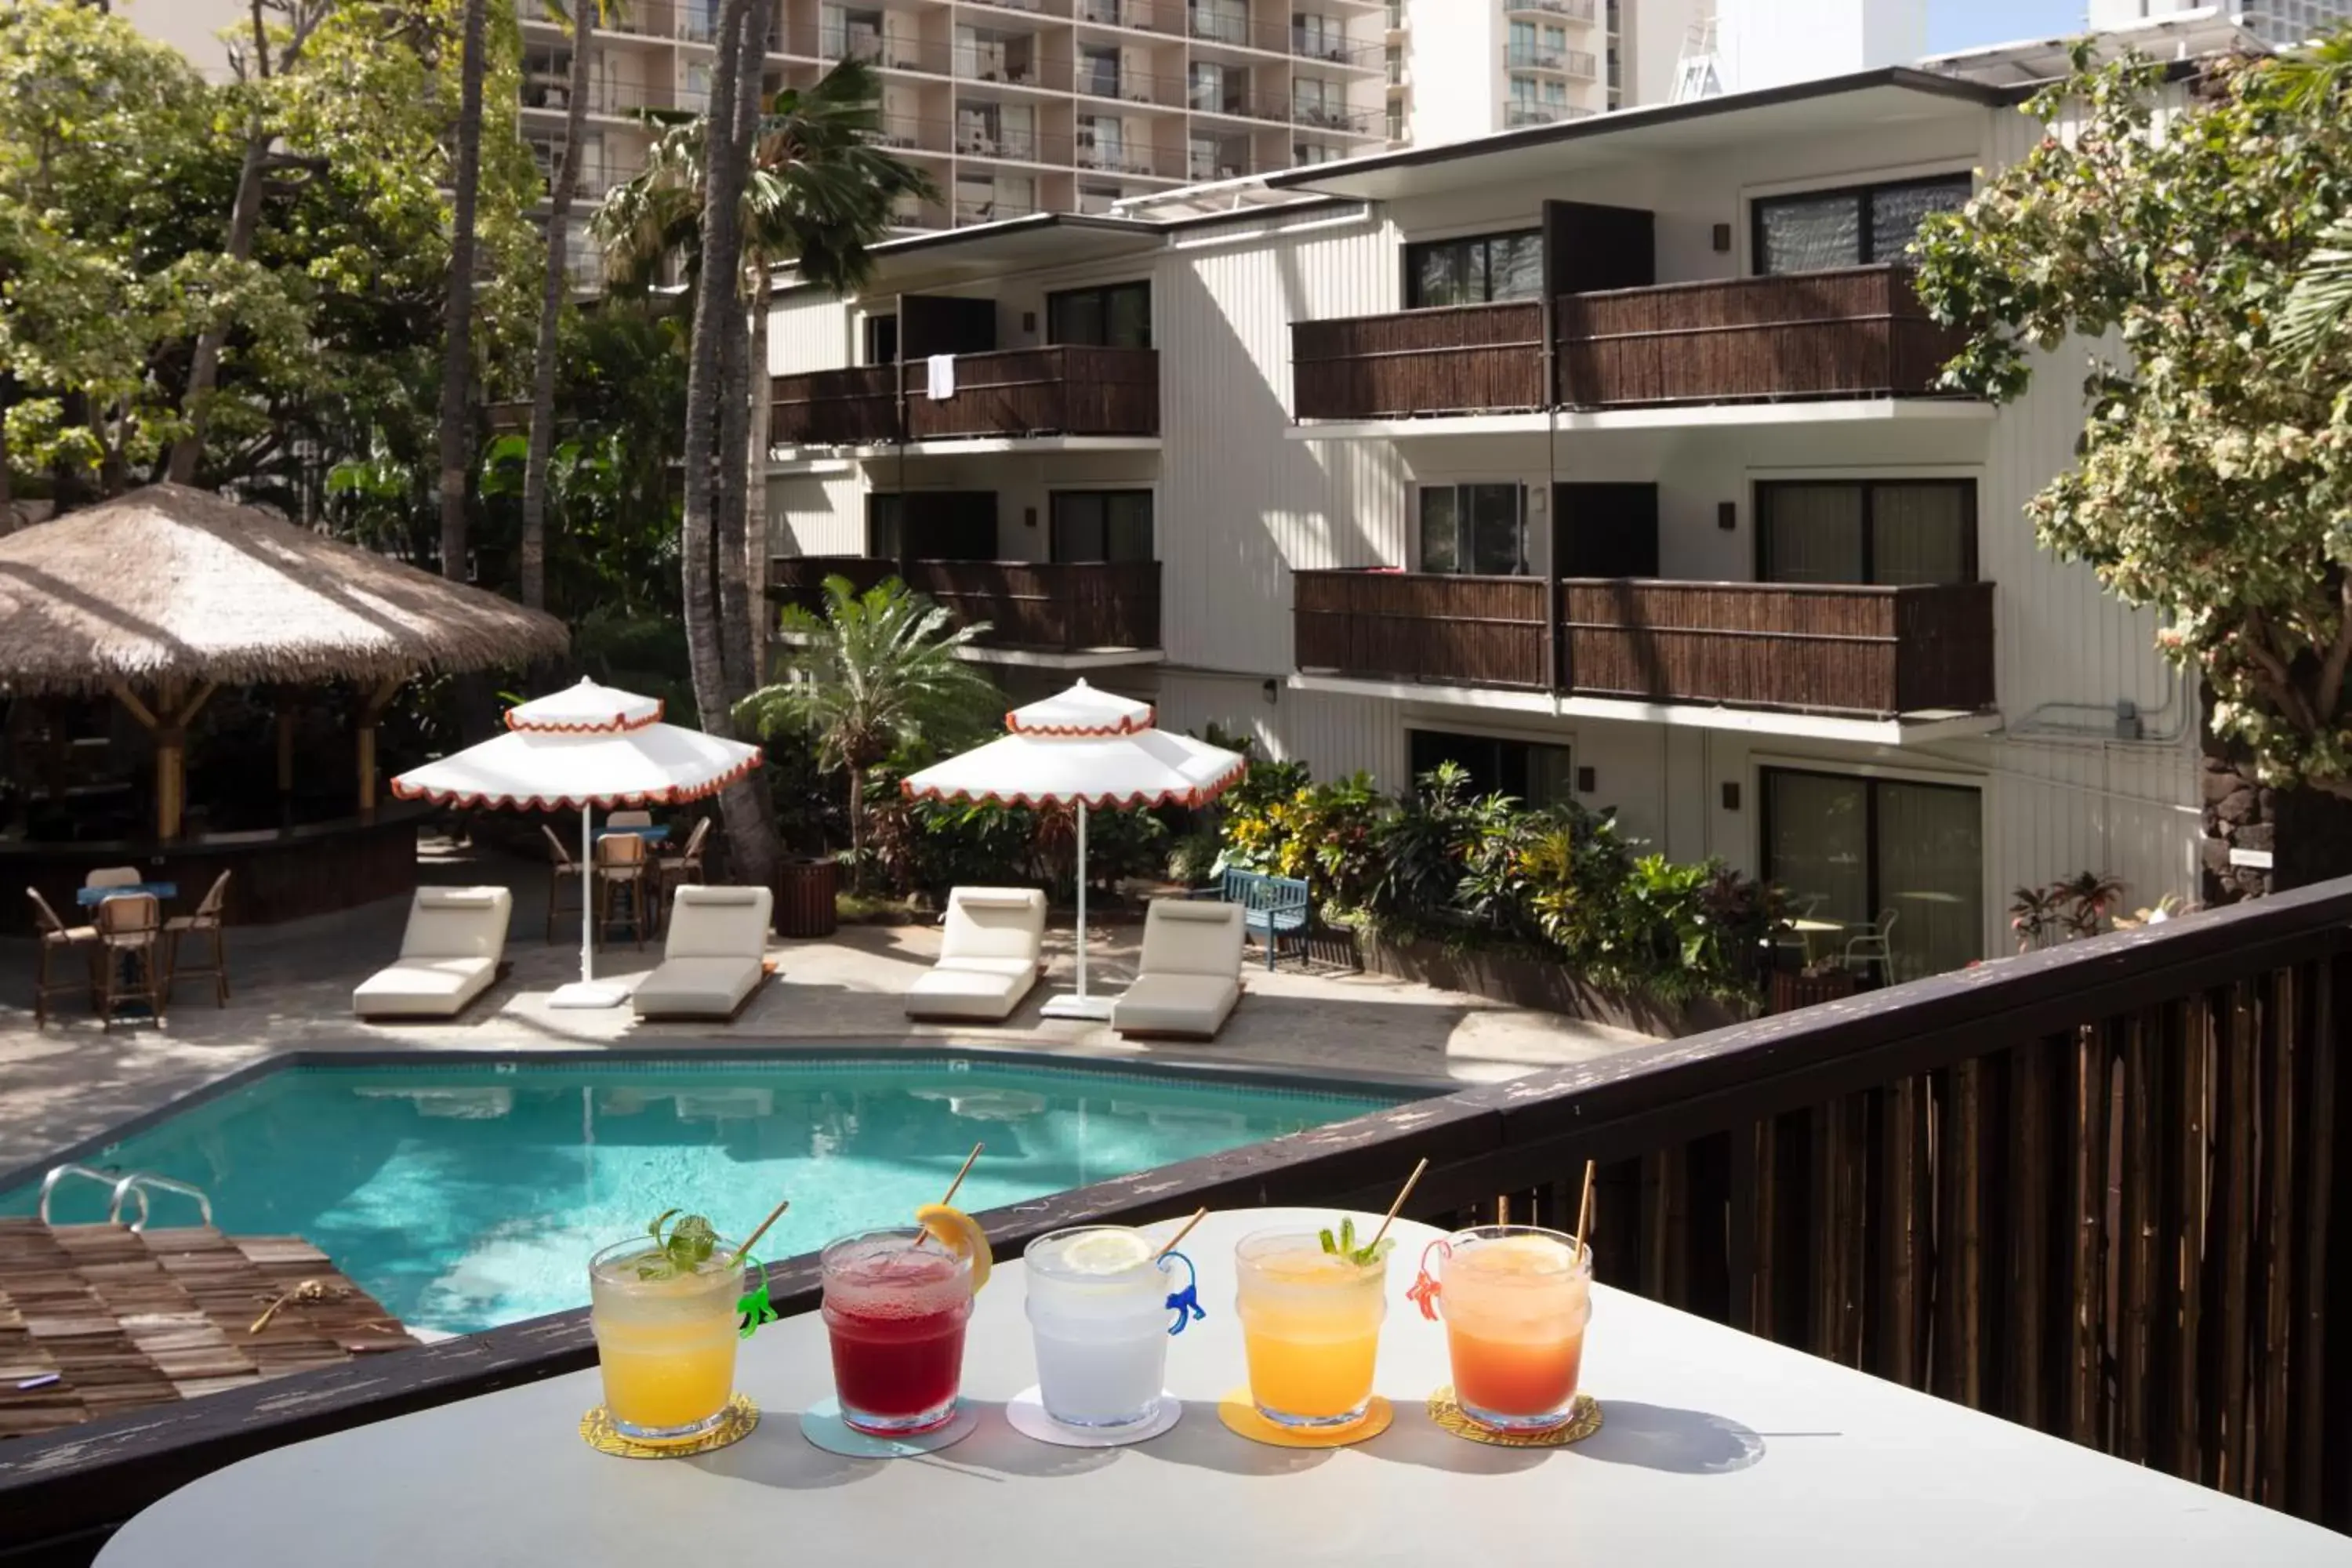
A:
x: 657, y: 834
x: 1808, y: 927
x: 90, y: 897
x: 1714, y: 1447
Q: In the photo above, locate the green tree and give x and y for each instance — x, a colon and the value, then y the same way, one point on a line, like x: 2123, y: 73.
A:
x: 878, y: 673
x: 2214, y: 481
x: 454, y: 443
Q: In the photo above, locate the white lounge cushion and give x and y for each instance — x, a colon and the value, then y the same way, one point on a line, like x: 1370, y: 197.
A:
x: 423, y: 988
x: 989, y: 995
x: 718, y: 923
x: 449, y: 954
x: 696, y: 987
x: 993, y: 923
x: 1190, y: 937
x: 1191, y: 1004
x: 1009, y: 966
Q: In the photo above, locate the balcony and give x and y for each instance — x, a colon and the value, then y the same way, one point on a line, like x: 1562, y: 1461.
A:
x: 1584, y: 11
x: 1859, y: 332
x: 1577, y: 63
x: 1052, y: 607
x: 1879, y: 652
x: 1068, y: 390
x: 1523, y: 114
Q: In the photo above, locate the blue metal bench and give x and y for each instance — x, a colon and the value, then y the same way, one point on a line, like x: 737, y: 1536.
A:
x: 1273, y: 906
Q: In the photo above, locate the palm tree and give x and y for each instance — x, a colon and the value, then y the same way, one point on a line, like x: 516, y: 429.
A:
x: 584, y: 15
x: 816, y: 192
x: 2319, y: 305
x: 876, y: 673
x: 457, y: 363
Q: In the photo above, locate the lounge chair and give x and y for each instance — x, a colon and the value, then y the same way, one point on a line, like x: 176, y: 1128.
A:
x: 714, y: 957
x: 1188, y: 978
x: 455, y: 939
x: 990, y: 955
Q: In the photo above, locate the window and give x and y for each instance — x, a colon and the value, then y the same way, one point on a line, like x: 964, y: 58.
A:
x: 1102, y: 525
x: 885, y: 518
x: 1216, y: 88
x: 1884, y: 531
x: 1818, y: 230
x: 1396, y: 64
x: 1317, y: 37
x: 1528, y: 770
x: 1101, y: 140
x: 1314, y: 101
x: 1853, y: 852
x: 1117, y: 316
x: 1098, y: 67
x: 1314, y: 152
x: 1475, y: 270
x: 1474, y: 530
x: 880, y: 335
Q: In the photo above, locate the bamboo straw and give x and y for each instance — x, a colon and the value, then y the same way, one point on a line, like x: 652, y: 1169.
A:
x: 960, y: 1176
x: 1410, y: 1183
x: 1198, y: 1216
x: 774, y: 1215
x: 1583, y: 1209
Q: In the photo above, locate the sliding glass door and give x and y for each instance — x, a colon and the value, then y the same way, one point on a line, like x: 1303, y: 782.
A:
x: 1880, y: 855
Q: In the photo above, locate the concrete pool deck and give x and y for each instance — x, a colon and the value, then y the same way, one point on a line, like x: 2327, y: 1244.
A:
x: 292, y: 993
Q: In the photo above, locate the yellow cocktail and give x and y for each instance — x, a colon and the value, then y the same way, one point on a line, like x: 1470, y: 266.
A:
x: 1310, y: 1327
x: 665, y: 1338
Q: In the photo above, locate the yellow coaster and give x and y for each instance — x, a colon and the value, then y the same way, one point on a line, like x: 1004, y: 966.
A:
x: 596, y: 1429
x: 1583, y: 1421
x: 1237, y: 1412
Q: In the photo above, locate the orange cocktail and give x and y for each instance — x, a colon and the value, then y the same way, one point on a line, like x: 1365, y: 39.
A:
x: 1310, y: 1327
x: 666, y: 1338
x: 1517, y: 1299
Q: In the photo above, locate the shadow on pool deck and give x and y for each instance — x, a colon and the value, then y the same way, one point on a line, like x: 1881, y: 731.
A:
x: 293, y: 986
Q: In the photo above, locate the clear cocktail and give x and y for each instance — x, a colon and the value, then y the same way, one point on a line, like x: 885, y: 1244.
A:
x: 1310, y: 1327
x: 666, y: 1338
x: 896, y: 1303
x: 1517, y: 1301
x: 1098, y: 1306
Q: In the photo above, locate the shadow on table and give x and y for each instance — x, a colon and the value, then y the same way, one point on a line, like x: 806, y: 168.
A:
x: 777, y: 1455
x: 996, y: 1448
x: 1415, y: 1439
x: 1201, y: 1441
x: 1661, y: 1437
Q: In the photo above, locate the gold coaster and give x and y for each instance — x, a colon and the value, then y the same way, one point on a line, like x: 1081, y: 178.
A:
x: 1236, y: 1411
x: 596, y: 1429
x: 1583, y: 1421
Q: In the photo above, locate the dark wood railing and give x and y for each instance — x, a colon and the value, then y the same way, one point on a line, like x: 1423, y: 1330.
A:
x: 1465, y: 360
x: 1820, y: 648
x: 1833, y: 649
x: 1056, y: 606
x: 1068, y: 390
x: 1857, y: 333
x: 1404, y: 626
x: 2095, y: 1190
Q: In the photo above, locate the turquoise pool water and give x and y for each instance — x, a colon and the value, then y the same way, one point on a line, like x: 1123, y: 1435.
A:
x: 464, y: 1197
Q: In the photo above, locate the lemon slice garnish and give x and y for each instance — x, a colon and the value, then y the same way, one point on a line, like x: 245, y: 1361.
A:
x: 960, y: 1234
x: 1106, y: 1252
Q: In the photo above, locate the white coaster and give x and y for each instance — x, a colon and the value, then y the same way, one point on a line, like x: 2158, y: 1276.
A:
x: 821, y: 1424
x: 1026, y: 1413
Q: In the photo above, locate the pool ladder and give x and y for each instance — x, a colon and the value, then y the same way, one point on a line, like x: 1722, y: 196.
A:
x: 136, y: 1184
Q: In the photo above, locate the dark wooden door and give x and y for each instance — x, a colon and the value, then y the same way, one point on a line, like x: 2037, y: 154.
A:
x: 1605, y: 530
x: 1588, y: 247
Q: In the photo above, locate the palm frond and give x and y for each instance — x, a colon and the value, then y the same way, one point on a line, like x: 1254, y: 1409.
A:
x: 2319, y: 305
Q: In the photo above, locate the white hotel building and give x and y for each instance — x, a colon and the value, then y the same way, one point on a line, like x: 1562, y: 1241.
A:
x: 1604, y: 456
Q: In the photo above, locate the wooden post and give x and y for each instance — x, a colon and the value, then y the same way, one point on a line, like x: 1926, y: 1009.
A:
x: 170, y: 755
x: 372, y: 709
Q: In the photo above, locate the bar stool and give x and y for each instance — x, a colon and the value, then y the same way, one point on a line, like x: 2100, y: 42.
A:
x: 623, y: 870
x: 130, y: 957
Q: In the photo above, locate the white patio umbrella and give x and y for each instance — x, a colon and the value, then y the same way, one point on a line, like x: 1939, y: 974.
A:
x: 1096, y: 752
x: 577, y: 750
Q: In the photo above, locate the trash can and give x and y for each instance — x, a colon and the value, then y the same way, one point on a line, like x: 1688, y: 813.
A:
x: 805, y: 894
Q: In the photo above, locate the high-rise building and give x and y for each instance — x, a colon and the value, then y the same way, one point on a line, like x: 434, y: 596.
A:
x: 1458, y: 68
x: 2278, y: 22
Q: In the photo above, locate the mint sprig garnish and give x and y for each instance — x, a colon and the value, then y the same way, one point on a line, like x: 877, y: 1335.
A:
x: 686, y: 1248
x: 1344, y: 1245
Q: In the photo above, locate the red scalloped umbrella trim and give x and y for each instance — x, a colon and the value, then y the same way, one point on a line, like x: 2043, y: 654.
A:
x: 1124, y: 727
x: 1105, y: 802
x: 577, y: 801
x: 615, y: 726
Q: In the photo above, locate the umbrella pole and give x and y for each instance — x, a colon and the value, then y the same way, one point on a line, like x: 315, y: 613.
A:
x: 587, y: 904
x: 1082, y: 900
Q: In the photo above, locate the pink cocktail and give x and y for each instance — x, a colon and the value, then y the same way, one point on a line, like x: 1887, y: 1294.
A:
x: 896, y: 1310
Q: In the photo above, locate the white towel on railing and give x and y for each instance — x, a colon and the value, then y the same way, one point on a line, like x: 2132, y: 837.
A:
x: 940, y: 374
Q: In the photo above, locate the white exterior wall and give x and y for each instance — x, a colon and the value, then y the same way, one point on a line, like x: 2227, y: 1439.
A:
x: 1770, y: 43
x: 1241, y: 503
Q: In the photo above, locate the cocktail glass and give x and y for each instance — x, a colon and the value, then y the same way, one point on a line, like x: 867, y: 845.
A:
x: 664, y: 1338
x: 895, y: 1309
x: 1098, y: 1306
x: 1515, y: 1300
x: 1310, y: 1328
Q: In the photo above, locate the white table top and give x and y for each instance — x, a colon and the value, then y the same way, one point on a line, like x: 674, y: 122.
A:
x: 1717, y: 1449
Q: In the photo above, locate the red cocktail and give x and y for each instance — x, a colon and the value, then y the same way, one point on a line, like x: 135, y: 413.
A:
x: 895, y: 1302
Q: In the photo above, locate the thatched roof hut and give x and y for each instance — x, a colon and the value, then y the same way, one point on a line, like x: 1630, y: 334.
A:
x: 167, y: 593
x: 168, y: 584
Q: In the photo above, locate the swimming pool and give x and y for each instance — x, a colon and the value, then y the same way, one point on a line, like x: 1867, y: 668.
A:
x: 466, y: 1196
